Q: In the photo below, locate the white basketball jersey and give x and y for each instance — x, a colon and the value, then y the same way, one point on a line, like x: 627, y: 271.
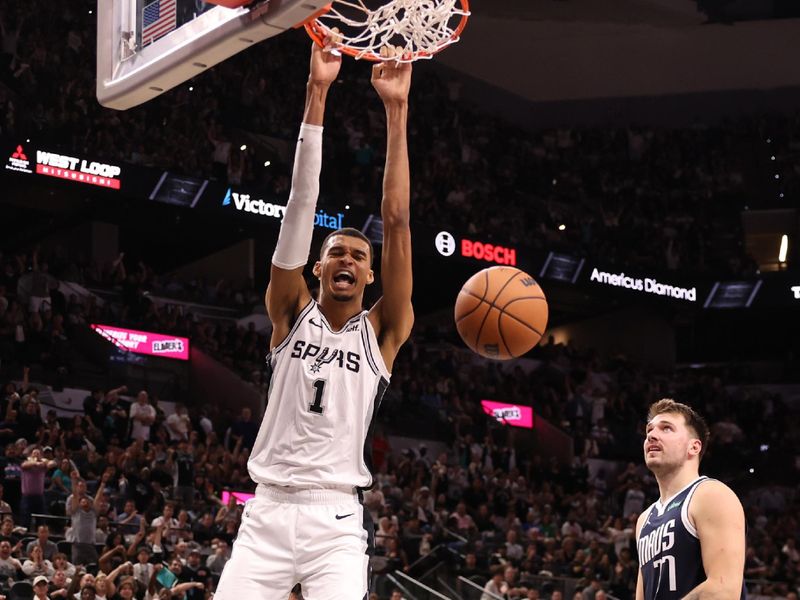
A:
x: 324, y: 391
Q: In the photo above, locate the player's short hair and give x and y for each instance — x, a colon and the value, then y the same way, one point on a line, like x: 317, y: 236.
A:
x: 351, y: 232
x: 693, y: 420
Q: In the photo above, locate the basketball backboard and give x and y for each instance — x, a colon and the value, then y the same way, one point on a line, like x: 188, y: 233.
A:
x: 146, y: 47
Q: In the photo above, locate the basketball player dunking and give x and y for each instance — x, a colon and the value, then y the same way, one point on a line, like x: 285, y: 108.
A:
x: 691, y: 541
x: 330, y: 363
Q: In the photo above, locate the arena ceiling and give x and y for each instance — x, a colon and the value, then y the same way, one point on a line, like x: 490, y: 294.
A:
x: 550, y: 50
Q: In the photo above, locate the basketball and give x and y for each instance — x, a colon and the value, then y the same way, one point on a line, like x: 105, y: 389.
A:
x: 501, y: 313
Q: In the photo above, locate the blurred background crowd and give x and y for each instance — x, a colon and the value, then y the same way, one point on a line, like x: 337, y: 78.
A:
x: 131, y: 492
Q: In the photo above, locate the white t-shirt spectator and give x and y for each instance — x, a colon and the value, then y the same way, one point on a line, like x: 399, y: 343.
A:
x: 634, y: 502
x: 140, y: 431
x: 572, y: 528
x: 178, y: 427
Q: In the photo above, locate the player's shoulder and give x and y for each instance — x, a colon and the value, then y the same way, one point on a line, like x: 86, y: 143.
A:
x: 712, y: 495
x: 713, y: 489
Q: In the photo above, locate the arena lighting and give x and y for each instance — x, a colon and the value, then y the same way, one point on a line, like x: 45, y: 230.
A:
x: 784, y: 248
x: 562, y: 227
x: 243, y: 147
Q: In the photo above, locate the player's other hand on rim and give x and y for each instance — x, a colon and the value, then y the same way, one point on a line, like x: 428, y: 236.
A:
x: 390, y: 78
x: 325, y: 61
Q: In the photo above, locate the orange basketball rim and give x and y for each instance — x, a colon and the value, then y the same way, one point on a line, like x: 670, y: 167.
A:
x: 415, y: 29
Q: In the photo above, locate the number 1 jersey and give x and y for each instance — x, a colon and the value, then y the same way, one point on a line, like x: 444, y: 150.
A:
x: 669, y: 548
x: 325, y: 388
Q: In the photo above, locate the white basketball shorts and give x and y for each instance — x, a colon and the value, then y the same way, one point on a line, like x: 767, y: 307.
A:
x: 321, y: 539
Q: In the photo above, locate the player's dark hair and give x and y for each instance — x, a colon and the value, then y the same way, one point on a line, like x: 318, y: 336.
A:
x: 693, y: 420
x: 352, y: 232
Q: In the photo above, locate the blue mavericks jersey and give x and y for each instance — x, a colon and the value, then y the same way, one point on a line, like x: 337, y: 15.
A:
x: 669, y: 549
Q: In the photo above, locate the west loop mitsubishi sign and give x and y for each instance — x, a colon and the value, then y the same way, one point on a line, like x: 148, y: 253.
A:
x: 63, y: 166
x: 18, y: 161
x: 145, y: 342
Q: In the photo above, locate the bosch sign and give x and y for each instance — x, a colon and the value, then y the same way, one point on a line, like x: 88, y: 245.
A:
x: 446, y: 245
x: 257, y: 206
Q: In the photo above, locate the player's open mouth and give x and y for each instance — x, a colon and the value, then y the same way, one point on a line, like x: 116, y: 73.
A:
x: 343, y: 280
x: 653, y: 449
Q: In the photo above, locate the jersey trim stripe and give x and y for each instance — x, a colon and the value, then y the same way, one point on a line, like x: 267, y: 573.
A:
x: 298, y: 321
x: 370, y: 360
x: 661, y: 508
x: 380, y: 390
x: 328, y: 326
x: 647, y: 514
x: 369, y: 529
x: 685, y: 508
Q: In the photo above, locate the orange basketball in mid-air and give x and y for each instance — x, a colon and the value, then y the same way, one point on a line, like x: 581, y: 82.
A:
x: 501, y: 312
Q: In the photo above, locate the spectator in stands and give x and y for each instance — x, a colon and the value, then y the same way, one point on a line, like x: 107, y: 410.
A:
x: 168, y: 522
x: 143, y: 570
x: 461, y: 521
x: 49, y: 548
x: 244, y: 428
x: 220, y: 555
x: 142, y: 416
x: 32, y: 478
x: 5, y: 507
x: 36, y: 564
x: 61, y: 564
x: 129, y: 520
x: 10, y: 567
x: 496, y: 586
x: 40, y: 587
x: 178, y: 424
x: 83, y: 512
x: 59, y: 585
x: 181, y: 462
x: 60, y: 481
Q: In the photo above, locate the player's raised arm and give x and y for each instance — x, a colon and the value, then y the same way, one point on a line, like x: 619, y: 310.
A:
x: 393, y: 312
x: 719, y: 519
x: 287, y: 292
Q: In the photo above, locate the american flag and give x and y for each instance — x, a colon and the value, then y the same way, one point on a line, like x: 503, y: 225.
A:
x: 158, y: 19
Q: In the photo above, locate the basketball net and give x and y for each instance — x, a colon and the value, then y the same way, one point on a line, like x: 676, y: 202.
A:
x: 414, y: 28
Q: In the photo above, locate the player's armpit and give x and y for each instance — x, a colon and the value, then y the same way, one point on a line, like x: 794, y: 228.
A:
x: 718, y: 517
x: 287, y: 294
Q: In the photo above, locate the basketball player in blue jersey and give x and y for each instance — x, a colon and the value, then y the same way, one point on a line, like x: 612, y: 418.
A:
x: 691, y: 541
x: 330, y: 363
